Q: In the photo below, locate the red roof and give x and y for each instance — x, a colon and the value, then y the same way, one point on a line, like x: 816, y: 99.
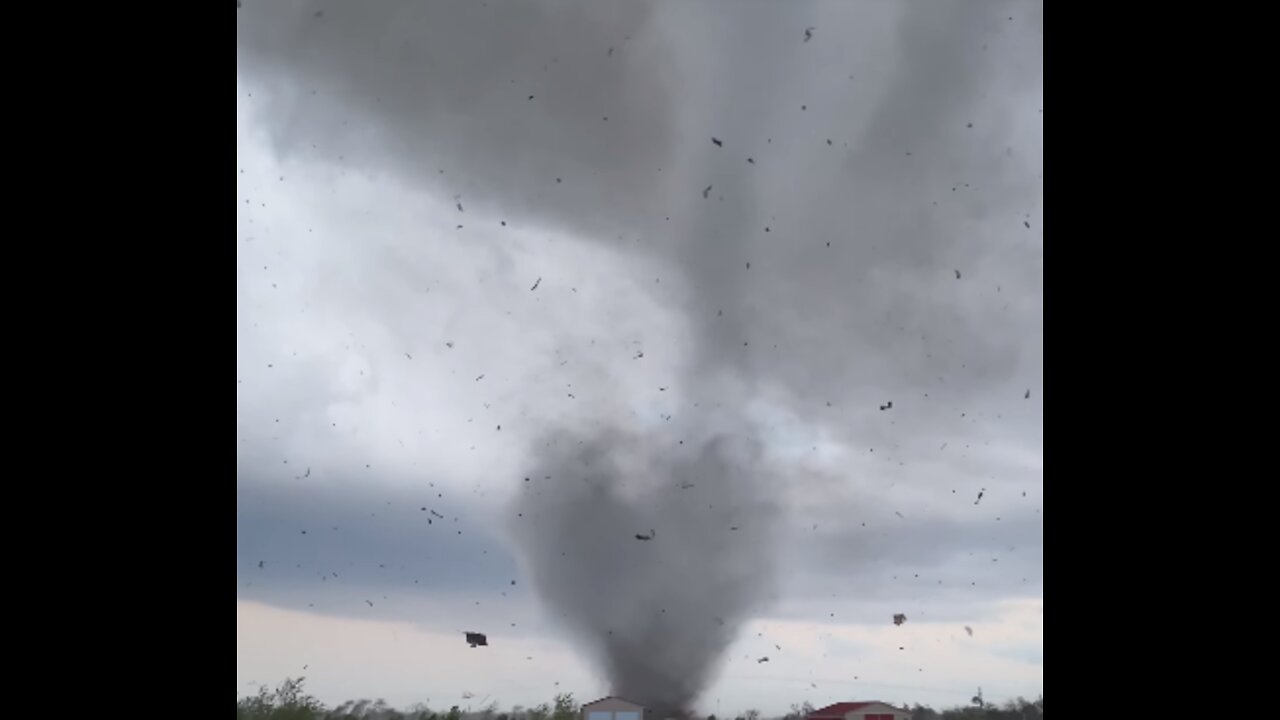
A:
x: 839, y: 710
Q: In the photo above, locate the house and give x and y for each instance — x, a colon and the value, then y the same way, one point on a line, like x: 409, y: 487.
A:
x: 615, y: 708
x: 868, y: 710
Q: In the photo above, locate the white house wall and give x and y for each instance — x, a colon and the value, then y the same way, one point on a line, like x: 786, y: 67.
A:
x: 613, y: 709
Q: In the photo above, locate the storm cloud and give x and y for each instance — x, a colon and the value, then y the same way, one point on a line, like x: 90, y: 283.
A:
x: 852, y: 268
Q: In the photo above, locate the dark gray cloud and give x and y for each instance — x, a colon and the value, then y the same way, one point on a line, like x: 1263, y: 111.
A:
x: 330, y: 547
x: 470, y: 89
x: 931, y: 569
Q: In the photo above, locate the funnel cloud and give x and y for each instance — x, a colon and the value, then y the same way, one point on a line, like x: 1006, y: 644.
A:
x: 655, y: 615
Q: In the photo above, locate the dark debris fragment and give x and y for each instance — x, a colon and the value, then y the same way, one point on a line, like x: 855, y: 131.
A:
x: 475, y: 639
x: 536, y: 283
x: 717, y: 142
x: 706, y: 192
x: 899, y: 618
x: 642, y: 536
x: 887, y: 406
x: 808, y: 34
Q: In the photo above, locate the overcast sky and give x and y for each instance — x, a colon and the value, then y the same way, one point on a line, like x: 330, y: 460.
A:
x: 476, y: 240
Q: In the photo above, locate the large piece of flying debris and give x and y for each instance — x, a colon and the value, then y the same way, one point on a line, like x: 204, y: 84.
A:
x: 899, y: 618
x: 475, y: 639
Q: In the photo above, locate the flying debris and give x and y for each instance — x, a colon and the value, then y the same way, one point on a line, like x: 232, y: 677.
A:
x: 706, y: 192
x: 957, y: 274
x: 887, y: 406
x: 808, y: 34
x: 968, y: 630
x: 899, y: 618
x: 1024, y: 222
x: 717, y: 142
x: 536, y: 283
x: 370, y: 602
x: 980, y: 493
x: 1027, y: 395
x: 460, y: 207
x: 475, y: 639
x: 642, y: 536
x: 261, y: 563
x: 763, y: 660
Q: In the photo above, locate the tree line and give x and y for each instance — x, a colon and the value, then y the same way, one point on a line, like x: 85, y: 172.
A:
x: 290, y: 701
